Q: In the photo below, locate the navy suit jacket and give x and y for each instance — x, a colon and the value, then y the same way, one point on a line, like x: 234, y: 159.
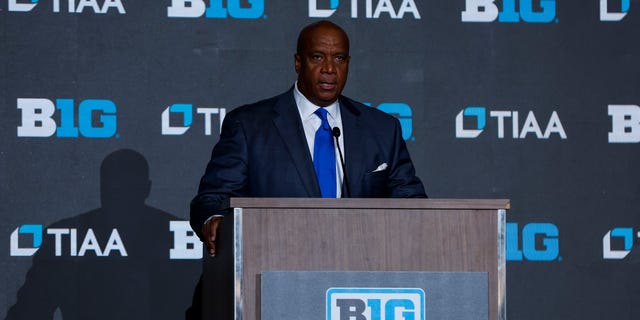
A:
x: 263, y: 152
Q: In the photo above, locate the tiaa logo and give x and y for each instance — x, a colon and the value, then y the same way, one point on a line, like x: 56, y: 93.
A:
x: 73, y: 6
x: 518, y: 130
x: 373, y: 9
x: 66, y: 242
x: 375, y: 304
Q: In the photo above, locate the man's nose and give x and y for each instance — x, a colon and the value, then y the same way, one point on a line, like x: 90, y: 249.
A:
x: 328, y: 66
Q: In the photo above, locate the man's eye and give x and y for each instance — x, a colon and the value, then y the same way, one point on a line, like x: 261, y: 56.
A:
x: 316, y: 57
x: 340, y: 58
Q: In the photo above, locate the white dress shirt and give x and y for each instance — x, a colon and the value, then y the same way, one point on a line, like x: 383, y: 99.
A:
x: 311, y: 122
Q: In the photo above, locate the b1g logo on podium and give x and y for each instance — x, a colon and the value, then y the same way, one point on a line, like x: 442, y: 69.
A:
x: 375, y: 304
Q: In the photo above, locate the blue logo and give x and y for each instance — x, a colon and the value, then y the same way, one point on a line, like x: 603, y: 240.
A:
x: 540, y: 242
x: 479, y: 113
x: 32, y: 230
x: 606, y: 15
x: 37, y: 118
x: 403, y: 112
x: 487, y: 11
x: 624, y: 234
x: 375, y: 303
x: 216, y: 9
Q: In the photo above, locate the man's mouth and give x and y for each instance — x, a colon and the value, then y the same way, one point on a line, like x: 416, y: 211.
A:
x: 327, y: 85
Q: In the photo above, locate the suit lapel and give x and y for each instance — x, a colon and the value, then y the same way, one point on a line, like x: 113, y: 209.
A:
x: 290, y: 128
x: 353, y: 146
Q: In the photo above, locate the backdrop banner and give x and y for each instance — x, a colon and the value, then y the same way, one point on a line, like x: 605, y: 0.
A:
x: 109, y: 110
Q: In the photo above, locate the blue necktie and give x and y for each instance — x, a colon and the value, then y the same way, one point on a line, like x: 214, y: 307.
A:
x: 324, y: 157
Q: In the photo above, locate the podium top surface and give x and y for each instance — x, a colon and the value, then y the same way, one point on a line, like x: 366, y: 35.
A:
x: 369, y: 203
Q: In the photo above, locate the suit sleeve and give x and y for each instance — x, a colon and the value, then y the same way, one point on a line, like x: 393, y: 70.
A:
x: 403, y: 182
x: 225, y: 175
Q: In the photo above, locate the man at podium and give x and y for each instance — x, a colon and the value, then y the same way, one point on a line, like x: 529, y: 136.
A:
x: 307, y: 142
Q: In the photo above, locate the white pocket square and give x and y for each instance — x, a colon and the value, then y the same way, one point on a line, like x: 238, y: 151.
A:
x: 380, y: 167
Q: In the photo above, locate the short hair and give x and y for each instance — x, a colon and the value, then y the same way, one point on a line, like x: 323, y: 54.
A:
x: 304, y: 33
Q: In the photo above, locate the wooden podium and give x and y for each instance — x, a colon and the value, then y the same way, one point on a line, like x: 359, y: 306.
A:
x: 304, y: 234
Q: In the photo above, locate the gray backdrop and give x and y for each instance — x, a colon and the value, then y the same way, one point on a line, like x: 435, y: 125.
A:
x: 89, y: 85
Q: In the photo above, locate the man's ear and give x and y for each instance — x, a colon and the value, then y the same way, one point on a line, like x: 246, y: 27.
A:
x: 296, y: 58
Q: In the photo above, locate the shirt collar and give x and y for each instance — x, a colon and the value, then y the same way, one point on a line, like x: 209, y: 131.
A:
x: 306, y: 108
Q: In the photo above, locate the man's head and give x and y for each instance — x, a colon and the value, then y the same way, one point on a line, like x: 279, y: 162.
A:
x: 322, y: 62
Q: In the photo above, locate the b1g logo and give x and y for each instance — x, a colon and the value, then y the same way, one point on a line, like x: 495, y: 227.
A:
x: 403, y: 112
x: 185, y: 111
x: 618, y: 251
x: 613, y: 15
x: 544, y: 11
x: 96, y: 118
x: 239, y: 9
x: 373, y: 9
x: 540, y: 242
x: 625, y: 123
x: 73, y: 6
x: 476, y: 118
x: 375, y: 304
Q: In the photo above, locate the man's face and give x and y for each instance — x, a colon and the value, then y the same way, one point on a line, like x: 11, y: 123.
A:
x: 322, y: 65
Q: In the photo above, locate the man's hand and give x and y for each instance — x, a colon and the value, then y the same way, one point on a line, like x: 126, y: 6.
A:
x: 210, y: 231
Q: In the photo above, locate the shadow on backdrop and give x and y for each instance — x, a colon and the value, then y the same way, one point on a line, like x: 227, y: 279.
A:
x: 118, y: 266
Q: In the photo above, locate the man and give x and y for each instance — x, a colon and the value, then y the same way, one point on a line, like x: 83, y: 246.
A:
x: 279, y: 147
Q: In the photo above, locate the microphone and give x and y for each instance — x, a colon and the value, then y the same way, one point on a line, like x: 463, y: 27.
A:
x: 336, y: 133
